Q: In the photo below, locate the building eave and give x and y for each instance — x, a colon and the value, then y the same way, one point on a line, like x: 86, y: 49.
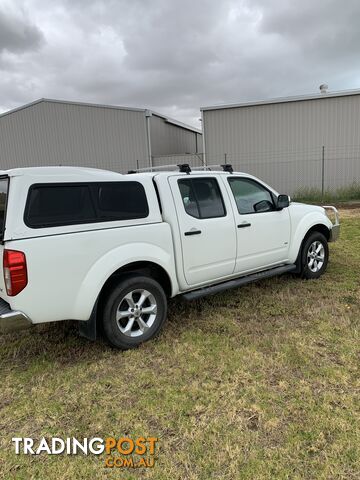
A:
x: 69, y: 102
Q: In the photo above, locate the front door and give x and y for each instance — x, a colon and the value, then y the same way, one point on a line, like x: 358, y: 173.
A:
x: 207, y: 228
x: 263, y: 233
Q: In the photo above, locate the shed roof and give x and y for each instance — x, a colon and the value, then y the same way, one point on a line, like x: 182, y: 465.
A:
x: 299, y: 98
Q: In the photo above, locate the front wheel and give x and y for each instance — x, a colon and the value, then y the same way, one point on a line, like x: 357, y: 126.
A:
x: 315, y: 256
x: 134, y: 312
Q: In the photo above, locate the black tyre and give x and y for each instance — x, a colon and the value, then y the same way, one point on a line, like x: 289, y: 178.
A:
x: 134, y: 312
x: 314, y: 256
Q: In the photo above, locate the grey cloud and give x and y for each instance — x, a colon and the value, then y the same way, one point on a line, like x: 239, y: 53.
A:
x: 17, y: 34
x: 324, y: 30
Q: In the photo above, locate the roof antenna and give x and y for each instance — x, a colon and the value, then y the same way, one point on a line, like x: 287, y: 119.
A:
x: 227, y: 167
x: 184, y: 168
x: 323, y: 88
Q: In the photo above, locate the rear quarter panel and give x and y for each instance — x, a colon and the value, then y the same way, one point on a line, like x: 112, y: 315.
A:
x: 67, y: 272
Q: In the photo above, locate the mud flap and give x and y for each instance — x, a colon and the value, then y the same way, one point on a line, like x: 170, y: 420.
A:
x: 88, y: 329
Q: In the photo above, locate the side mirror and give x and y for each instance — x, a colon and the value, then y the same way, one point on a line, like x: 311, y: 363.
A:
x: 283, y: 201
x: 263, y: 206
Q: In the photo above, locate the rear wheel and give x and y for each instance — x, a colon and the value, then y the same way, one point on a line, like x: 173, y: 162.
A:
x: 134, y: 312
x: 315, y: 256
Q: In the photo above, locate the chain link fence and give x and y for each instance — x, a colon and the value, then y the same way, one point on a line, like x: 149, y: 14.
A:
x: 321, y: 170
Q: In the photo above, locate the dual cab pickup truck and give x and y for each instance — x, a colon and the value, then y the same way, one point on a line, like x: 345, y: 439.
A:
x: 108, y: 249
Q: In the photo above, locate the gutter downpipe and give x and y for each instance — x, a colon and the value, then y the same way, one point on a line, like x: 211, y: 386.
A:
x: 203, y: 138
x: 148, y: 114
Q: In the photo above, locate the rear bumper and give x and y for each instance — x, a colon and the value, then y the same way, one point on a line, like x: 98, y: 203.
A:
x: 11, y: 320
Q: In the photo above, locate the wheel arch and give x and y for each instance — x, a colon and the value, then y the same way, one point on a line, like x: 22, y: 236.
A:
x: 91, y: 328
x: 318, y: 227
x: 143, y: 268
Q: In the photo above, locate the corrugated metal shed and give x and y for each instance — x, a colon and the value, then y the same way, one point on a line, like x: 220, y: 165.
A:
x: 282, y: 139
x: 53, y: 132
x: 168, y: 136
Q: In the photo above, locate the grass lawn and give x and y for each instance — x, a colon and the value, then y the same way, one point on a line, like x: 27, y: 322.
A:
x: 256, y: 383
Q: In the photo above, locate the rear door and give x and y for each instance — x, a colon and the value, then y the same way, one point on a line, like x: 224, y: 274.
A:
x: 206, y: 227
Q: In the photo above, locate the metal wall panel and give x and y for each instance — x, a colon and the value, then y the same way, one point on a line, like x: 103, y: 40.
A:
x: 193, y: 159
x: 167, y: 138
x: 282, y: 142
x: 55, y: 133
x: 294, y: 125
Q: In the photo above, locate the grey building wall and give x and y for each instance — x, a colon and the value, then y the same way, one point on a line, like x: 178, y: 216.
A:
x: 50, y: 132
x: 55, y: 133
x: 283, y: 141
x: 193, y: 159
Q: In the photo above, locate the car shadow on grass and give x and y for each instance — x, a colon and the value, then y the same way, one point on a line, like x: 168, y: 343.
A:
x: 60, y: 342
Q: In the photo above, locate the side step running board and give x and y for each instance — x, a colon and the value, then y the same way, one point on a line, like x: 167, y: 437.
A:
x: 238, y: 282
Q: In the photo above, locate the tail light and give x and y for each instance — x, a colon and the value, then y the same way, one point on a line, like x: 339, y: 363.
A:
x: 15, y: 271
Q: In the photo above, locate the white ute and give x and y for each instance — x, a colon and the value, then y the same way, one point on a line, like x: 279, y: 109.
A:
x: 108, y: 249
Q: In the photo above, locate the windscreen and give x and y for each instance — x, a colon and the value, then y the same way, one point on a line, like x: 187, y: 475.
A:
x: 4, y: 182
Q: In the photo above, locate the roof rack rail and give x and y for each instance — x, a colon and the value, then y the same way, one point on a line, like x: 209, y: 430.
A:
x: 184, y: 168
x: 227, y: 167
x: 154, y: 169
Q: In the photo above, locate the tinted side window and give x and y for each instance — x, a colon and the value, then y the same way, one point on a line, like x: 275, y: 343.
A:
x: 202, y: 197
x: 51, y: 205
x: 120, y: 201
x: 54, y: 205
x: 250, y: 196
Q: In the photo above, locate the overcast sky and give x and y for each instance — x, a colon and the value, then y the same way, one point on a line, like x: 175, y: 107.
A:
x: 174, y: 56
